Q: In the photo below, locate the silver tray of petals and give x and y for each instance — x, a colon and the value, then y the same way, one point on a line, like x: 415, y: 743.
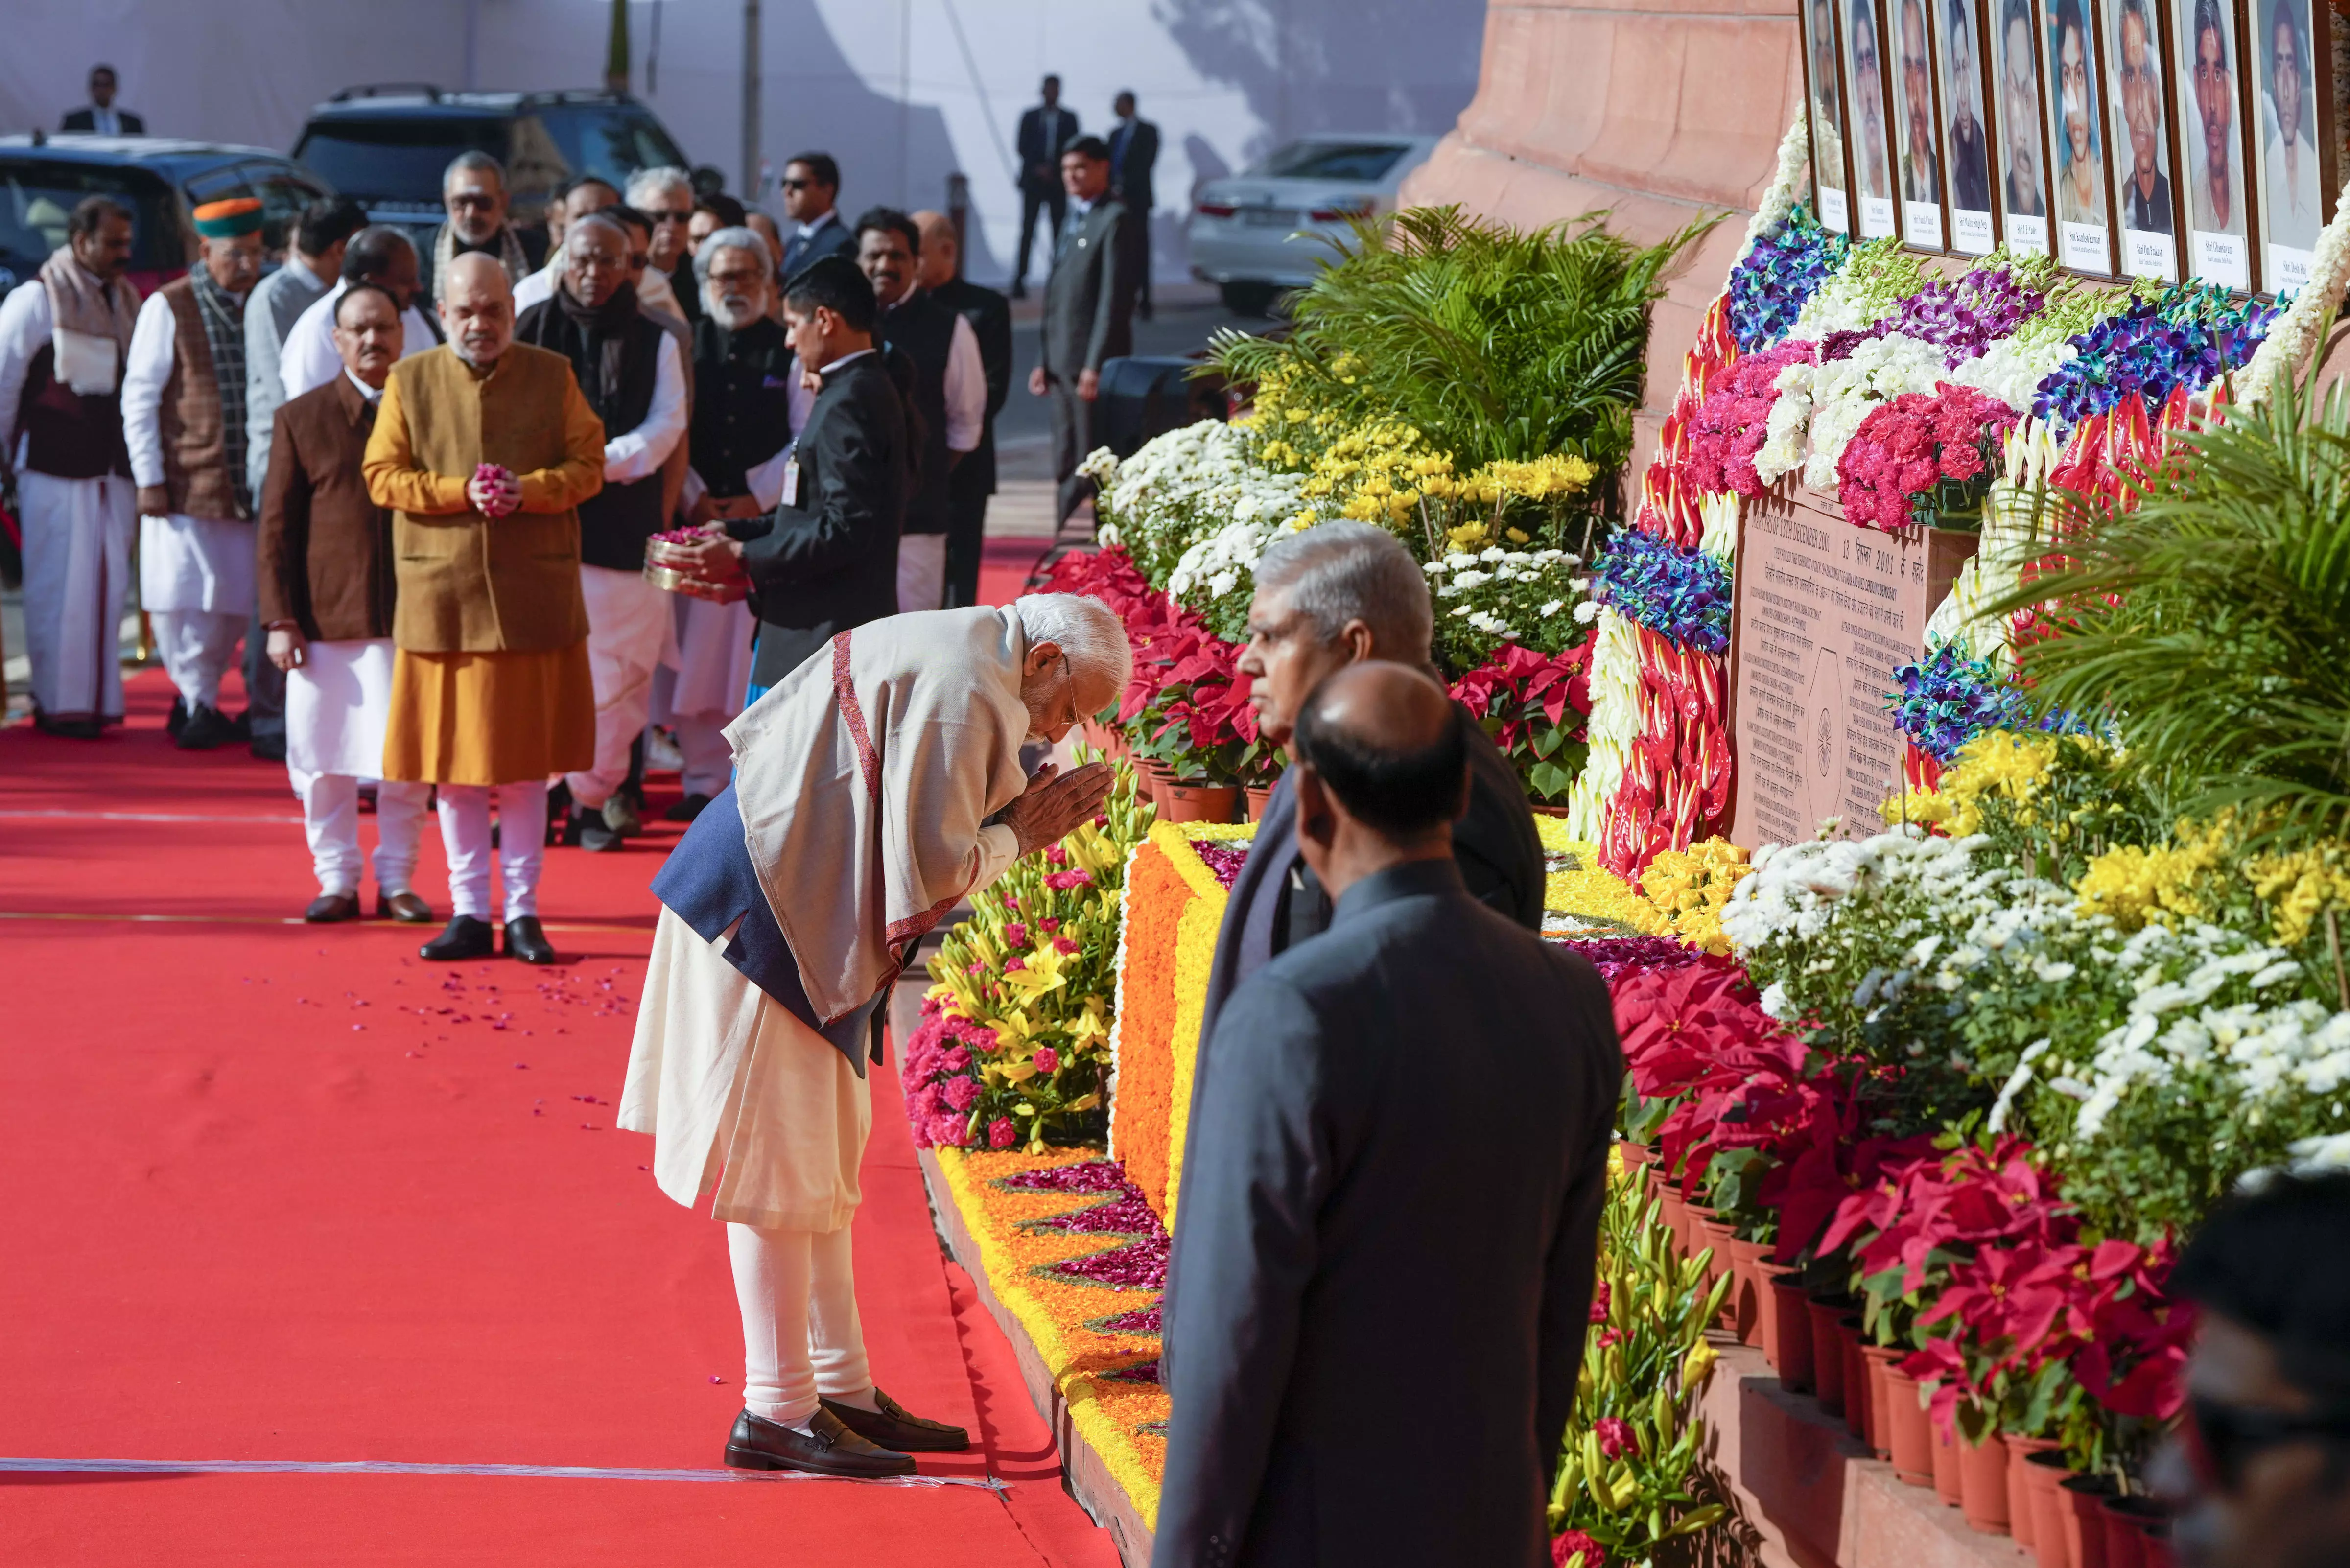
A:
x: 670, y: 566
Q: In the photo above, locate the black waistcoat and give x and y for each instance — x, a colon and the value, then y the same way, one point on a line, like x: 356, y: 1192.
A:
x: 742, y: 402
x: 923, y: 330
x: 614, y: 522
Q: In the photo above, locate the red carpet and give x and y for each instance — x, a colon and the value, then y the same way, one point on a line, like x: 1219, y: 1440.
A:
x: 277, y: 1192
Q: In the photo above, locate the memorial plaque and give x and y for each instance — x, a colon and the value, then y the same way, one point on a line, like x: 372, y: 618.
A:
x: 1825, y: 613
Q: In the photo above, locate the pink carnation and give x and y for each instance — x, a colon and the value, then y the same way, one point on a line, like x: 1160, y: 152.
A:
x: 954, y: 1132
x: 1057, y: 855
x: 962, y: 1093
x: 1047, y: 1060
x: 1014, y: 964
x: 1730, y: 425
x: 1065, y: 880
x: 1016, y: 934
x: 1001, y: 1134
x: 1569, y: 1542
x: 956, y: 1059
x: 1616, y: 1437
x: 1599, y: 1302
x: 1064, y: 944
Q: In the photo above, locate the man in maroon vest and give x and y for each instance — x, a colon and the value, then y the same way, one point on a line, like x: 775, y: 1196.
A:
x: 63, y: 339
x: 183, y: 419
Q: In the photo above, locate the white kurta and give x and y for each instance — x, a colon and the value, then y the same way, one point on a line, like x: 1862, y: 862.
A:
x: 77, y: 535
x: 308, y: 360
x: 185, y: 564
x: 338, y: 703
x: 747, y: 1105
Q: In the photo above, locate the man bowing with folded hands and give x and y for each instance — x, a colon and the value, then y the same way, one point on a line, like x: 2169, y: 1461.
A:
x: 877, y: 786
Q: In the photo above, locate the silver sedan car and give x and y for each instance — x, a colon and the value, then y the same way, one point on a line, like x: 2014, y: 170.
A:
x: 1258, y: 234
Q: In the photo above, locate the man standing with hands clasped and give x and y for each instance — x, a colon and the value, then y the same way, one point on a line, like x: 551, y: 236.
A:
x: 1089, y: 312
x: 1356, y: 1171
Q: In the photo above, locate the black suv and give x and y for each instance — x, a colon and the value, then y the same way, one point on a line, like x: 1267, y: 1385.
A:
x: 161, y: 179
x: 386, y: 145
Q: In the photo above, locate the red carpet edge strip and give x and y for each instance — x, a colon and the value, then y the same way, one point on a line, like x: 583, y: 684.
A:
x: 527, y: 1472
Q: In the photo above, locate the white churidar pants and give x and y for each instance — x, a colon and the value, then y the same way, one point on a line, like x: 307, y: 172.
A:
x: 77, y: 535
x: 921, y: 572
x: 801, y: 1336
x: 330, y: 821
x: 197, y: 647
x: 712, y: 671
x: 627, y: 632
x: 465, y: 840
x: 195, y: 583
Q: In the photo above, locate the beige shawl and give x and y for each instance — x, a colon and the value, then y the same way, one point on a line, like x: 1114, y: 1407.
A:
x: 90, y: 324
x: 864, y: 779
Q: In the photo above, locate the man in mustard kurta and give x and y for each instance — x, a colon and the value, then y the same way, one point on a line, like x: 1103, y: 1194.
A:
x: 483, y: 449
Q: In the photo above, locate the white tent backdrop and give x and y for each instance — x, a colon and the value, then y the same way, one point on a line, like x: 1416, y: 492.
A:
x: 902, y: 92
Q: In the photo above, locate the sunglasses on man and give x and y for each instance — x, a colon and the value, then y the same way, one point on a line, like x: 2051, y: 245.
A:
x: 2220, y: 1440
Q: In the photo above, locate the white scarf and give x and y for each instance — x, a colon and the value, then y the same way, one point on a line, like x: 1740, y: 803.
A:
x: 864, y: 779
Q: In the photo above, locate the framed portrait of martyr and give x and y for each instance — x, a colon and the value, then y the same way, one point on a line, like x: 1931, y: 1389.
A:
x: 2145, y: 197
x: 2286, y: 56
x: 2019, y: 110
x: 2076, y: 139
x: 1868, y: 123
x: 1917, y: 136
x: 1824, y: 103
x: 2211, y: 135
x: 1960, y: 34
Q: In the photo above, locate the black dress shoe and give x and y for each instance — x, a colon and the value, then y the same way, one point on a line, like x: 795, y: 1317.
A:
x: 527, y: 940
x: 268, y: 748
x: 829, y: 1449
x: 591, y: 834
x: 177, y: 719
x: 405, y: 907
x: 329, y: 908
x: 83, y: 729
x: 463, y: 938
x: 896, y: 1427
x: 687, y: 809
x: 207, y: 730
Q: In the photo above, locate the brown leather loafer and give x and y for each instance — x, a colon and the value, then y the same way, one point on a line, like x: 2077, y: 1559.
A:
x: 329, y: 908
x: 405, y: 907
x: 830, y: 1448
x: 895, y: 1427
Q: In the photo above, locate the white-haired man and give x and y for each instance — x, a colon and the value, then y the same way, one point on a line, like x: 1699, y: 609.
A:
x: 877, y: 786
x: 665, y: 195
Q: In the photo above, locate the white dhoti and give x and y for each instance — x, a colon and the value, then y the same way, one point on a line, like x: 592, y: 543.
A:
x: 78, y: 537
x: 195, y: 583
x: 338, y: 702
x: 627, y: 634
x: 712, y: 672
x: 921, y: 572
x: 747, y: 1105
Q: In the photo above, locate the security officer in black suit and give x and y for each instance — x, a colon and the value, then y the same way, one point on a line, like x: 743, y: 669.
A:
x: 1045, y: 131
x: 1133, y: 155
x: 99, y: 117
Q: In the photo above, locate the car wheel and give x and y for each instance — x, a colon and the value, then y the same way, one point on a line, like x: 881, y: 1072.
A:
x: 1251, y: 298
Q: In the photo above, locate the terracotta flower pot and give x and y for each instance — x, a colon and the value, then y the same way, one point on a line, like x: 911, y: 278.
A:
x: 2126, y: 1518
x: 2022, y: 1520
x: 1983, y: 1483
x: 1908, y: 1434
x: 1636, y: 1154
x: 1859, y: 1414
x: 2081, y: 1505
x: 1948, y: 1486
x: 1827, y: 1352
x: 1257, y: 796
x: 1790, y: 1323
x: 2042, y: 1474
x: 1880, y: 1359
x: 1202, y: 802
x: 1746, y: 1296
x: 1155, y: 778
x: 1674, y: 1211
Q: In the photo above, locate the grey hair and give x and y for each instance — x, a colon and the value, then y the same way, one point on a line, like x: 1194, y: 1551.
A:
x: 601, y: 218
x: 734, y: 239
x: 1087, y: 630
x: 1343, y: 571
x: 646, y: 183
x: 474, y: 162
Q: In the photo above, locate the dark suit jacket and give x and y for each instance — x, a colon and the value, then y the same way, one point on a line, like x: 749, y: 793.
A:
x: 1089, y: 299
x: 1130, y: 168
x: 1040, y: 155
x: 990, y: 315
x: 85, y: 119
x: 1276, y: 903
x: 830, y: 562
x: 1404, y: 1163
x: 831, y: 239
x: 323, y: 551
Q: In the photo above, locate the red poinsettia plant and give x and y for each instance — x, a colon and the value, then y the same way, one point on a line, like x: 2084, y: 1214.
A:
x: 1535, y: 705
x: 1920, y: 458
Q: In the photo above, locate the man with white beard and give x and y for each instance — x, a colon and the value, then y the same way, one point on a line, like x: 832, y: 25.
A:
x: 741, y: 443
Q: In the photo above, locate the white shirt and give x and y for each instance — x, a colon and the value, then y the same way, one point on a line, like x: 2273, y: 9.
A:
x: 643, y: 449
x: 966, y: 388
x: 537, y: 288
x: 829, y: 215
x: 104, y: 121
x: 26, y: 326
x: 310, y: 361
x: 372, y: 394
x: 146, y: 372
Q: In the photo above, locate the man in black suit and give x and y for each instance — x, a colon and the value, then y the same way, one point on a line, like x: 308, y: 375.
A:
x: 1334, y: 595
x: 1404, y: 1151
x: 1089, y: 312
x: 100, y: 116
x: 1045, y: 132
x: 811, y: 204
x: 826, y: 559
x: 1133, y: 155
x: 973, y: 479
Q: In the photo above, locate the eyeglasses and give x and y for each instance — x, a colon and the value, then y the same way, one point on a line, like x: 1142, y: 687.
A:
x: 2221, y: 1439
x: 472, y: 199
x: 796, y: 184
x: 658, y: 217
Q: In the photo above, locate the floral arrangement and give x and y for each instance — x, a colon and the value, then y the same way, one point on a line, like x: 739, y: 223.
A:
x: 1733, y: 421
x: 1693, y: 886
x: 1920, y: 460
x: 1946, y: 700
x: 1679, y: 593
x: 2188, y: 336
x: 1777, y: 277
x: 1501, y: 596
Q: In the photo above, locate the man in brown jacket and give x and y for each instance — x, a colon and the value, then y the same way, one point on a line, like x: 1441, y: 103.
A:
x: 483, y: 450
x: 323, y: 577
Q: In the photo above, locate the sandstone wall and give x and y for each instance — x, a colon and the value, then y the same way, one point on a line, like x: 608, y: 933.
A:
x: 1658, y: 110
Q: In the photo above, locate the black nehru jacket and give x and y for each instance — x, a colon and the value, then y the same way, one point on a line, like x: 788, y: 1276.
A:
x: 742, y: 402
x: 614, y: 352
x: 826, y: 559
x: 922, y: 329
